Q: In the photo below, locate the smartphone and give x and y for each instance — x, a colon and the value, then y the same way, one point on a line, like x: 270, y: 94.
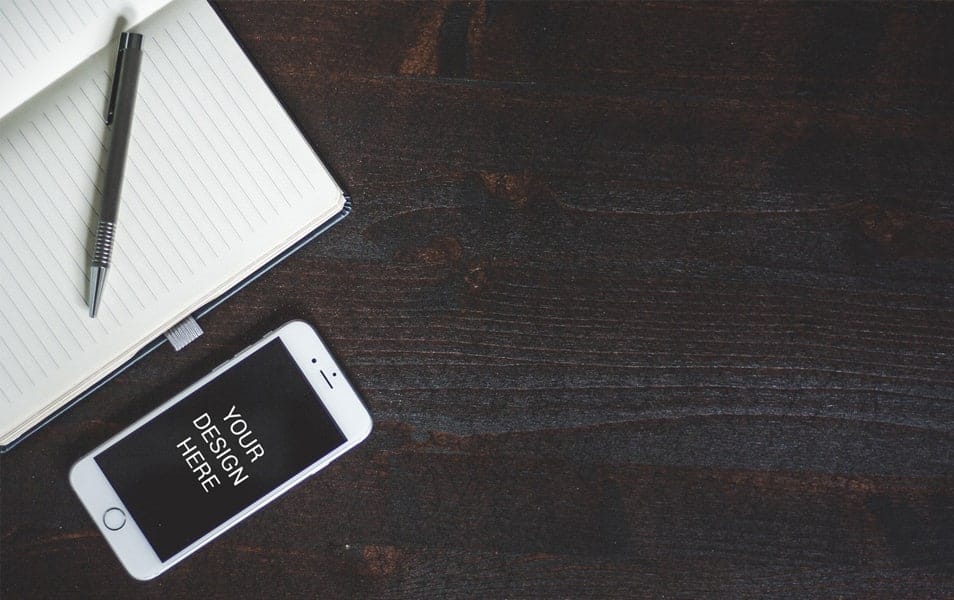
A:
x: 224, y: 447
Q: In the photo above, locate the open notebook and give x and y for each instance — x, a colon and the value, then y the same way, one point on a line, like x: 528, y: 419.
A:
x: 219, y: 186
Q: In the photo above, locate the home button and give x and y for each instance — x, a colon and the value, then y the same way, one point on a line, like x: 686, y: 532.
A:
x: 114, y: 519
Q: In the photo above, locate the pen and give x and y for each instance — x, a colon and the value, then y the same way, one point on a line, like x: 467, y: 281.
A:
x: 119, y: 122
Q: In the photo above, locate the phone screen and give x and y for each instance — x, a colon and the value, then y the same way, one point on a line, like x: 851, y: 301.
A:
x: 218, y: 450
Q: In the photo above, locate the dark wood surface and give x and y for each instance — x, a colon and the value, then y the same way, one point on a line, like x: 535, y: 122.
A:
x: 647, y: 300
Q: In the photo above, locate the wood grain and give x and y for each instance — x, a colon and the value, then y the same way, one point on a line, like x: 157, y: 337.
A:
x: 647, y: 300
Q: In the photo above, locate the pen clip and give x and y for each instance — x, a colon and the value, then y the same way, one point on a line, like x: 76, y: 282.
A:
x: 126, y: 40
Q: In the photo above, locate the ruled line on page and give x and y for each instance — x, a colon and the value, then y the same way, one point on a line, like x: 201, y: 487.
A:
x: 31, y: 335
x: 49, y: 230
x: 75, y: 191
x: 263, y: 169
x: 206, y: 225
x: 9, y: 329
x: 21, y: 292
x: 95, y: 136
x: 93, y: 159
x: 14, y: 18
x: 50, y: 255
x: 153, y: 156
x: 41, y: 41
x: 239, y: 88
x: 195, y: 257
x: 83, y: 221
x: 196, y: 178
x: 17, y: 35
x: 44, y: 292
x: 79, y: 190
x: 194, y: 158
x: 146, y: 219
x: 36, y: 34
x: 22, y: 371
x: 198, y: 216
x: 63, y: 21
x: 244, y: 158
x: 135, y: 231
x: 195, y: 125
x: 44, y: 21
x: 138, y: 258
x: 127, y: 285
x: 9, y: 378
x: 139, y: 225
x: 196, y: 161
x: 53, y: 309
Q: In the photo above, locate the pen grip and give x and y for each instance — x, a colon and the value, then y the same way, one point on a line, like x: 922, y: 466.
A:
x: 103, y: 249
x: 127, y: 75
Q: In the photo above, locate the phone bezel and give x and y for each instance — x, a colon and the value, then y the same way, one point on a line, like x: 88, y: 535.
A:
x: 336, y: 393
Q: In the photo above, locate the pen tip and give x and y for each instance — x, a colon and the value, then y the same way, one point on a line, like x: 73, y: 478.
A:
x: 97, y: 279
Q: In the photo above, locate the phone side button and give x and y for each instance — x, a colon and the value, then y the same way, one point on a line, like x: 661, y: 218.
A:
x: 114, y: 519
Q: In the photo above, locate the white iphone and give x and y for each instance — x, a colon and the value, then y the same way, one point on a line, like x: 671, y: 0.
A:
x: 224, y: 447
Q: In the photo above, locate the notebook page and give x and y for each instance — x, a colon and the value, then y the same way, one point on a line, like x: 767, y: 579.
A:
x: 41, y: 40
x: 218, y: 182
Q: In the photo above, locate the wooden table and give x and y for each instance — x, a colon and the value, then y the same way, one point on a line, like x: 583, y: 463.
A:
x: 647, y: 300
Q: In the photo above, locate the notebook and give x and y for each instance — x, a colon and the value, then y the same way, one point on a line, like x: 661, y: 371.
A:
x: 219, y: 186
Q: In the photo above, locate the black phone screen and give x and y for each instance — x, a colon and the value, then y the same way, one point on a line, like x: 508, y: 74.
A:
x: 220, y: 449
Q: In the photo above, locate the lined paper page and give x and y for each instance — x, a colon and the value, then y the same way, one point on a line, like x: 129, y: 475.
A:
x: 218, y: 182
x: 40, y: 40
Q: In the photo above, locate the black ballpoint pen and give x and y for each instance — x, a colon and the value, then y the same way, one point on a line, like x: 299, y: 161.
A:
x: 119, y: 117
